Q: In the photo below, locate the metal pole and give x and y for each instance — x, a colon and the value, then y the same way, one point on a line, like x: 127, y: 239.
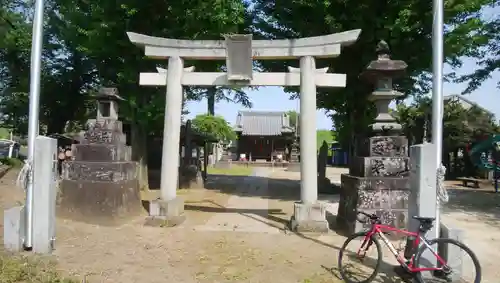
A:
x: 34, y: 109
x: 437, y: 88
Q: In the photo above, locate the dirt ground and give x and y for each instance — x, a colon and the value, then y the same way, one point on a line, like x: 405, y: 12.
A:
x: 234, y: 232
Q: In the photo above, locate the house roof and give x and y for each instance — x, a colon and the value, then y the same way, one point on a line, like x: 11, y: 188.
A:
x: 263, y: 123
x: 461, y: 97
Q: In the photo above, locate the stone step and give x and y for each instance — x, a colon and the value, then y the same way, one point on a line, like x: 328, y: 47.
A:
x: 101, y: 152
x: 383, y: 146
x: 380, y: 166
x: 99, y: 171
x: 103, y: 136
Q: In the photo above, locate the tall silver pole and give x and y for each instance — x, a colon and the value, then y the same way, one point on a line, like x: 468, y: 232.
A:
x: 437, y: 88
x: 35, y: 73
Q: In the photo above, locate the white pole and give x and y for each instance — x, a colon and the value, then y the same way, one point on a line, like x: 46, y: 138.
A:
x: 34, y: 109
x: 437, y: 89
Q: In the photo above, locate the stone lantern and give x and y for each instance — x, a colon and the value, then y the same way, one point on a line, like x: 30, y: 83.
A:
x: 381, y: 72
x: 101, y: 184
x: 378, y: 179
x: 107, y: 103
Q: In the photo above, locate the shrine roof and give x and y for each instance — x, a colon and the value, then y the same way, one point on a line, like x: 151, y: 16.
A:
x: 263, y: 123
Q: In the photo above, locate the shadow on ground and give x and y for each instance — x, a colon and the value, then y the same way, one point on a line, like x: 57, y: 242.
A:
x: 485, y: 205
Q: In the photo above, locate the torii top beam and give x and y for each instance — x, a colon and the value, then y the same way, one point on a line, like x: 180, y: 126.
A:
x: 318, y: 46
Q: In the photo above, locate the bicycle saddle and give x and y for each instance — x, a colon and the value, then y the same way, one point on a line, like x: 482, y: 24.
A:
x: 424, y: 219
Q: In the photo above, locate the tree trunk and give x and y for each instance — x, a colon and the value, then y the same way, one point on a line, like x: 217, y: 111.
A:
x: 56, y: 125
x: 211, y: 111
x: 139, y: 142
x: 211, y: 100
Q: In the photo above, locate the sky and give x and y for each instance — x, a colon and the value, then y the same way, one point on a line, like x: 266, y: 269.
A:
x: 275, y: 99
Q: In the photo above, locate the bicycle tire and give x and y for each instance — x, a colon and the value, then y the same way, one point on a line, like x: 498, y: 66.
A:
x: 473, y: 256
x: 377, y: 265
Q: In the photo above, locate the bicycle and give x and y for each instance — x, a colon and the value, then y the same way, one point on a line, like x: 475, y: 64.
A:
x: 419, y: 246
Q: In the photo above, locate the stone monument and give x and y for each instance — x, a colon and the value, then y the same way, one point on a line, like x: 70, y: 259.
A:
x: 378, y: 179
x: 324, y: 184
x: 294, y: 164
x: 100, y: 185
x: 189, y: 171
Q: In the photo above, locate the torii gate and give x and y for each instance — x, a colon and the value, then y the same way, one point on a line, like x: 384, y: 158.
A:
x: 239, y: 52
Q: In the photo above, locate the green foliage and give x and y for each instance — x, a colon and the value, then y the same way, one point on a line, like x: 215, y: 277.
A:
x: 215, y: 126
x: 293, y: 118
x: 488, y: 57
x: 460, y: 126
x: 13, y: 162
x: 324, y: 135
x: 234, y: 170
x: 405, y: 25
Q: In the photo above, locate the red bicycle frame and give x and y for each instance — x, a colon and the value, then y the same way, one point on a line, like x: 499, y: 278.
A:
x: 379, y: 229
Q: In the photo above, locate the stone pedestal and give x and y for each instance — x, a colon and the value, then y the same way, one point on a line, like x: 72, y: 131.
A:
x: 377, y: 183
x: 166, y: 213
x: 294, y: 164
x: 309, y: 218
x: 100, y: 185
x: 190, y: 177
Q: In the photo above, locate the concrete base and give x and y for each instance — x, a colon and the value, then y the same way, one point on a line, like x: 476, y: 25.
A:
x: 293, y: 167
x: 309, y: 218
x: 101, y: 203
x: 166, y: 213
x: 13, y: 229
x: 453, y: 256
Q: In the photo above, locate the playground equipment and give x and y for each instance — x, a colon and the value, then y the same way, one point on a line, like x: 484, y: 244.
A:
x: 486, y: 155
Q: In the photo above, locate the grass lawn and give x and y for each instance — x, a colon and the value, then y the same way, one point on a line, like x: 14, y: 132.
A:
x: 18, y: 268
x: 235, y: 170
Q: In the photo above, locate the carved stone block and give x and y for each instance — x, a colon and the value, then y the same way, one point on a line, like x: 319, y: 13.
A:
x: 379, y: 167
x: 374, y: 183
x: 104, y: 124
x: 387, y: 196
x: 99, y: 171
x: 102, y: 152
x: 104, y: 136
x: 383, y: 146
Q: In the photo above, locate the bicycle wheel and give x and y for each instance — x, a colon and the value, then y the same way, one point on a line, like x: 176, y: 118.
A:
x: 361, y: 263
x: 463, y: 263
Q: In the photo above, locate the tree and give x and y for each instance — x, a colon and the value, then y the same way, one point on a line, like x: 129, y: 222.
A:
x: 461, y: 127
x: 65, y: 75
x: 293, y: 117
x: 488, y: 57
x: 405, y: 25
x: 215, y: 126
x: 99, y: 30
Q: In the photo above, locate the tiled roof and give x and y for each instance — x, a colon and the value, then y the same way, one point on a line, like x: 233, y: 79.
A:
x: 262, y: 123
